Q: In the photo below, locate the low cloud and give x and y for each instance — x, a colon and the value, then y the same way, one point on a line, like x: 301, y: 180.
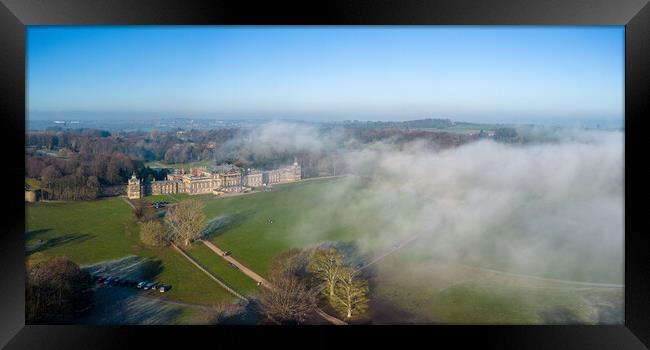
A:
x: 277, y: 140
x: 551, y: 209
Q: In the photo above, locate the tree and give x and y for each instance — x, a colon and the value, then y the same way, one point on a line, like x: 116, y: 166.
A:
x: 154, y: 233
x: 293, y: 261
x: 326, y: 265
x: 288, y: 299
x: 113, y: 171
x: 506, y: 135
x: 49, y: 174
x: 351, y: 294
x: 93, y: 187
x: 186, y: 220
x: 56, y: 290
x: 143, y: 212
x: 214, y: 314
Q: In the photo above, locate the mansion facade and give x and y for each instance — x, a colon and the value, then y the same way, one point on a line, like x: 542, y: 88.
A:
x: 215, y: 180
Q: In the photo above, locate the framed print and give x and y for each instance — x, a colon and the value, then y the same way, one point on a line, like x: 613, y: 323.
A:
x: 468, y: 172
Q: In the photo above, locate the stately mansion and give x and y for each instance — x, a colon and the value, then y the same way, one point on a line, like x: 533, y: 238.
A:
x: 217, y: 180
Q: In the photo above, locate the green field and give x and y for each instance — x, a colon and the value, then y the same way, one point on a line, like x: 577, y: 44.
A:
x: 494, y: 304
x: 96, y: 231
x: 442, y: 292
x: 302, y: 215
x: 310, y: 213
x: 467, y: 128
x: 170, y: 198
x: 221, y: 268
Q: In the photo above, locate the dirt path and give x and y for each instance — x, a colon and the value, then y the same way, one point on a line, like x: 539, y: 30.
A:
x: 264, y: 283
x: 128, y: 201
x: 542, y: 279
x: 389, y: 252
x: 329, y: 318
x: 248, y: 272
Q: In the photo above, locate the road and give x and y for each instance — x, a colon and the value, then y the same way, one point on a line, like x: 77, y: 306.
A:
x: 259, y: 279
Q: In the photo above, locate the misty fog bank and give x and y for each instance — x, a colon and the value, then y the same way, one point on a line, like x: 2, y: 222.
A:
x: 550, y: 209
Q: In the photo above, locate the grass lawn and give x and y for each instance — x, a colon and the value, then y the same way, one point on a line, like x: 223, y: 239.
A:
x: 451, y: 294
x: 301, y: 217
x: 488, y: 303
x: 96, y: 231
x: 222, y: 269
x: 170, y: 198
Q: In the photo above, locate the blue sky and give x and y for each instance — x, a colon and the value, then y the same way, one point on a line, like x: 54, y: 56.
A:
x: 369, y: 73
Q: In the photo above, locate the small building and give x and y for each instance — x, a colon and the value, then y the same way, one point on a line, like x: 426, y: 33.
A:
x: 32, y: 196
x: 134, y: 188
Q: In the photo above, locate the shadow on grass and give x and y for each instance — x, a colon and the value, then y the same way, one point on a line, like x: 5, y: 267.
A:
x: 42, y: 245
x: 384, y: 311
x: 221, y: 224
x: 33, y: 234
x: 559, y: 315
x: 115, y: 305
x: 130, y: 267
x: 248, y: 314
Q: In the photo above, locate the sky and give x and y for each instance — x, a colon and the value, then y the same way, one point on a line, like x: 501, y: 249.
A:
x: 470, y: 73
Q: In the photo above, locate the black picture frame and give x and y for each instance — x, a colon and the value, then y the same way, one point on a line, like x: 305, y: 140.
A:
x: 633, y: 14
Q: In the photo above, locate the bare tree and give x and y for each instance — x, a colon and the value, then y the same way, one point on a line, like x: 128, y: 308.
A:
x: 288, y: 299
x: 326, y: 265
x: 351, y: 293
x: 214, y: 315
x: 154, y: 233
x: 143, y: 212
x: 293, y: 261
x: 186, y: 220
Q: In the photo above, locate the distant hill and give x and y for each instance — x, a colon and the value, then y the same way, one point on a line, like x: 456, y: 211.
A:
x: 428, y: 123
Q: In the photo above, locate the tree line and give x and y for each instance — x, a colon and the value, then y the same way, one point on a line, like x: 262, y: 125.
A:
x: 85, y: 163
x: 81, y: 176
x: 169, y: 147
